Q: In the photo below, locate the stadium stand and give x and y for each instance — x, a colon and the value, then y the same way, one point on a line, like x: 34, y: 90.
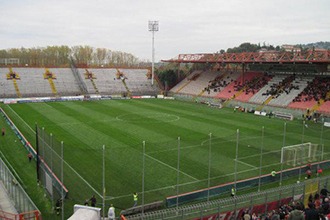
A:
x: 291, y: 91
x: 219, y: 83
x: 89, y: 77
x: 65, y: 82
x: 264, y: 93
x: 192, y: 77
x: 41, y: 82
x: 274, y: 89
x: 7, y: 88
x: 253, y: 81
x: 6, y: 204
x: 40, y: 86
x: 314, y: 95
x: 196, y: 82
x: 138, y: 82
x: 105, y: 81
x: 325, y: 107
x: 302, y: 104
x: 229, y: 90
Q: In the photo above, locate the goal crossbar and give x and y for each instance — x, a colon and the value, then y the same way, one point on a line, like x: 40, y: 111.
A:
x: 298, y: 153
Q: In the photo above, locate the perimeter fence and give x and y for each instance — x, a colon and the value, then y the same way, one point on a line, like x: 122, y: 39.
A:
x: 18, y: 197
x: 259, y: 203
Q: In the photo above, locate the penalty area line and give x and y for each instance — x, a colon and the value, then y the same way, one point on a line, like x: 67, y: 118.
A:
x: 247, y: 164
x: 165, y: 164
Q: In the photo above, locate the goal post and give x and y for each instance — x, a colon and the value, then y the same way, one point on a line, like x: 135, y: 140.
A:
x: 300, y: 154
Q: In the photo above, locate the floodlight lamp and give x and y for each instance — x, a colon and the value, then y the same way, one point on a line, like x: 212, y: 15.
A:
x: 153, y: 25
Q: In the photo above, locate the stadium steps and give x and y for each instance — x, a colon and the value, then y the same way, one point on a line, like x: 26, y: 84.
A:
x: 94, y: 85
x: 260, y: 107
x: 17, y: 89
x: 184, y: 85
x: 268, y: 100
x: 52, y: 86
x: 217, y: 78
x: 320, y: 103
x: 127, y: 89
x: 238, y: 93
x: 201, y: 93
x: 193, y: 77
x: 317, y: 105
x: 234, y: 96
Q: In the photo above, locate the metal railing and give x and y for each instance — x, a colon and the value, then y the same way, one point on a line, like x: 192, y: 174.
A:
x: 204, y: 210
x: 16, y: 193
x: 78, y: 78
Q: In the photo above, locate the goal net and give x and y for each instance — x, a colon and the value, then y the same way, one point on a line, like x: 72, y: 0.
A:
x: 300, y: 154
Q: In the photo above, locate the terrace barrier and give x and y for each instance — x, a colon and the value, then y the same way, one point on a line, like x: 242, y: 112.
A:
x: 232, y: 208
x: 22, y: 202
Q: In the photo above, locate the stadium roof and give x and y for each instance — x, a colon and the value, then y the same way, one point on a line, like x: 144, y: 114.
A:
x: 278, y: 57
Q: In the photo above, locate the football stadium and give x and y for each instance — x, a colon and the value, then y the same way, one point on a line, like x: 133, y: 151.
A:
x: 110, y: 132
x: 90, y: 133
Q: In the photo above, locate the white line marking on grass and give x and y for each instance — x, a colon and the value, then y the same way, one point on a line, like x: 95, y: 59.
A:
x: 254, y: 155
x: 192, y: 182
x: 165, y: 164
x: 59, y: 156
x: 21, y: 119
x: 174, y: 149
x: 247, y: 164
x: 180, y: 185
x: 162, y: 117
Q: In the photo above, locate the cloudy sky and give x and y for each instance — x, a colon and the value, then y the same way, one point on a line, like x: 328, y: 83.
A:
x: 185, y: 26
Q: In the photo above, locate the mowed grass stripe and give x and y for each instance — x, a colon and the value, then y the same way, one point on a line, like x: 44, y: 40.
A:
x: 92, y: 138
x: 135, y: 132
x: 222, y: 122
x: 50, y: 111
x: 127, y: 122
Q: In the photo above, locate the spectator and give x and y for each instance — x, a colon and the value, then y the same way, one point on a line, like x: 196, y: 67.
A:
x: 93, y: 201
x: 323, y: 194
x: 30, y: 157
x: 233, y: 191
x: 254, y: 216
x: 135, y: 199
x: 317, y: 201
x: 325, y: 206
x: 275, y: 216
x: 308, y: 174
x: 311, y: 213
x: 273, y: 175
x: 296, y: 213
x: 58, y: 206
x: 246, y: 215
x: 111, y: 213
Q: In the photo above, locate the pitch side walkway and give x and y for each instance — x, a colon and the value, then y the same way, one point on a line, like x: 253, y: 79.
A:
x: 6, y: 204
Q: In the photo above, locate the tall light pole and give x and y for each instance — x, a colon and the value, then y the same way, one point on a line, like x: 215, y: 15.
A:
x: 153, y: 27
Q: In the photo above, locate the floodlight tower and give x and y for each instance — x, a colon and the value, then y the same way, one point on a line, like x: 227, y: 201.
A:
x: 153, y: 27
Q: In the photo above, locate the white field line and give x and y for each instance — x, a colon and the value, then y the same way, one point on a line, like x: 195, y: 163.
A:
x: 269, y: 152
x: 187, y: 183
x: 192, y: 182
x: 58, y: 155
x: 165, y: 164
x: 246, y: 164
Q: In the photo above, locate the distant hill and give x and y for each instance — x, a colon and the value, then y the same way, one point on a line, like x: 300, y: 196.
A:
x: 321, y: 45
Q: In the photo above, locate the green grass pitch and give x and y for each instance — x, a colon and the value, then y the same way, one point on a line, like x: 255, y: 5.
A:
x: 208, y: 139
